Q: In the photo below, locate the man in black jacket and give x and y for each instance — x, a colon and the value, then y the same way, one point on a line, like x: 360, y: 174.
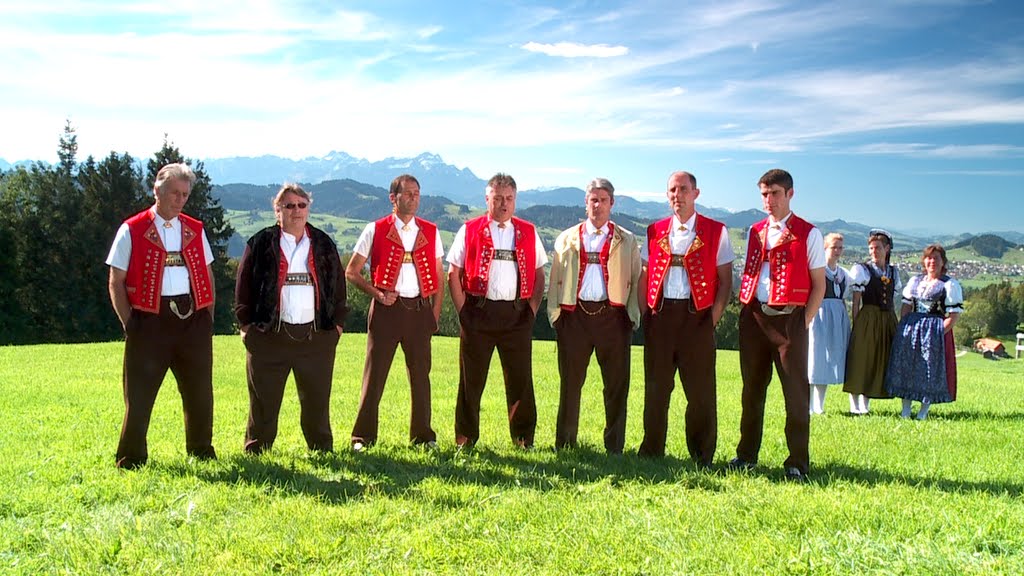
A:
x: 290, y: 302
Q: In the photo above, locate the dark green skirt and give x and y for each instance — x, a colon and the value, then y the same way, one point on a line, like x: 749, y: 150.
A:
x: 868, y: 355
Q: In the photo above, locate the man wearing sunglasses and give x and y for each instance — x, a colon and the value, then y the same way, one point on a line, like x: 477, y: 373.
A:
x: 404, y: 253
x: 290, y: 302
x: 161, y: 287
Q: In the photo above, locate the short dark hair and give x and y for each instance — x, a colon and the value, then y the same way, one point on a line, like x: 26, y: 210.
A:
x: 501, y: 180
x: 396, y: 184
x: 777, y: 176
x: 931, y: 250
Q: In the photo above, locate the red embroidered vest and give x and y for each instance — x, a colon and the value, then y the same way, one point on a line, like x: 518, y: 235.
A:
x: 700, y: 261
x: 388, y: 252
x: 282, y: 271
x: 480, y: 253
x: 790, y: 279
x: 145, y: 275
x: 603, y: 257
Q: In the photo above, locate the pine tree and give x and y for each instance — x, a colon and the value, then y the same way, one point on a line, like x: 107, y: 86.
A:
x: 111, y: 191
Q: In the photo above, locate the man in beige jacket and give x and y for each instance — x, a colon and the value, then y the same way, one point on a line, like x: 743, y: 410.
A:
x: 592, y: 303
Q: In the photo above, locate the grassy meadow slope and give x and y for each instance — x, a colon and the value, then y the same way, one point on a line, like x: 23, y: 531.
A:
x: 943, y: 496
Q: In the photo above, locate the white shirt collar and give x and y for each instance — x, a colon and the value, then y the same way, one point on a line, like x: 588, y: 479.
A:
x: 676, y: 223
x: 590, y: 228
x: 159, y: 220
x: 402, y: 226
x: 782, y: 223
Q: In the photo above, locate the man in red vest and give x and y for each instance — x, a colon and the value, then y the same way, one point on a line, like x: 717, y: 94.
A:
x: 290, y: 302
x: 592, y: 305
x: 161, y: 287
x: 781, y: 289
x: 496, y: 279
x: 405, y: 284
x: 685, y: 284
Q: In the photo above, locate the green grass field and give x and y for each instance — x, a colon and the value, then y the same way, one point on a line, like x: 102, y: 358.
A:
x: 886, y: 496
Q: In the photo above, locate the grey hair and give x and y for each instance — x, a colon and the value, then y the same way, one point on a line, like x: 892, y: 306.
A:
x: 603, y: 184
x: 179, y: 171
x: 294, y: 189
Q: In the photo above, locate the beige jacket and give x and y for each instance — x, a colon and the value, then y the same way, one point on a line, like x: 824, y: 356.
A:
x: 623, y: 272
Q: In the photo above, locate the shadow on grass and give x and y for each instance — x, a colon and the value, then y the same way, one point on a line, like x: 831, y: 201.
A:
x: 827, y: 474
x: 400, y: 471
x: 956, y: 416
x: 397, y: 471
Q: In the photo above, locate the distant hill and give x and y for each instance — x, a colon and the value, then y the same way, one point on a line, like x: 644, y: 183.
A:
x: 346, y: 198
x: 987, y: 245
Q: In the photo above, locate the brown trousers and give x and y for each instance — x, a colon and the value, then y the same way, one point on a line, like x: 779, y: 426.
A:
x: 782, y: 341
x: 269, y: 358
x: 507, y: 326
x: 678, y: 339
x: 591, y: 327
x: 409, y: 322
x: 153, y: 344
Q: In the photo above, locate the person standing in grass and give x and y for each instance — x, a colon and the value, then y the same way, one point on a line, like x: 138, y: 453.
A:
x: 404, y: 253
x: 829, y: 334
x: 684, y: 287
x: 922, y: 365
x: 592, y: 305
x: 161, y: 287
x: 496, y: 279
x: 874, y: 284
x: 290, y: 302
x: 782, y: 286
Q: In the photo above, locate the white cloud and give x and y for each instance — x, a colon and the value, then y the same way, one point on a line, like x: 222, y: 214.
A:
x: 574, y: 50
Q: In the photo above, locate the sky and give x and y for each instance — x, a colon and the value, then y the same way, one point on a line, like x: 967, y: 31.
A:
x: 899, y: 113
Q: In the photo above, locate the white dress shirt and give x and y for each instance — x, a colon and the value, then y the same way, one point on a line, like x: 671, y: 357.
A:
x: 681, y: 236
x: 407, y: 285
x: 503, y: 280
x: 815, y: 252
x: 175, y: 281
x: 298, y: 303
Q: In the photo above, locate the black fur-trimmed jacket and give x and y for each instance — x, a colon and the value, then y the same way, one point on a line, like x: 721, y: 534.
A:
x: 257, y: 294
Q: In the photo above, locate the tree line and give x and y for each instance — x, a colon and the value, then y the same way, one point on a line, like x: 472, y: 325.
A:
x: 56, y: 227
x: 995, y: 310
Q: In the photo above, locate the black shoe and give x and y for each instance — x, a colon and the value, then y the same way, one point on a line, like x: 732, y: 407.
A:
x: 794, y: 474
x: 740, y: 464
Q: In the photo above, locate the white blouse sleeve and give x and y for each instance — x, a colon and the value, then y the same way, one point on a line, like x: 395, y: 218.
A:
x: 897, y: 281
x: 910, y: 289
x: 859, y: 277
x: 954, y: 297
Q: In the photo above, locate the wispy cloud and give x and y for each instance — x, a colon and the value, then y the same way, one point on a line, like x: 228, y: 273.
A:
x: 573, y: 50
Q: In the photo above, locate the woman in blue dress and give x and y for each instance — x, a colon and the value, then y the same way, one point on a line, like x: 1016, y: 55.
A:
x: 922, y: 365
x: 829, y: 333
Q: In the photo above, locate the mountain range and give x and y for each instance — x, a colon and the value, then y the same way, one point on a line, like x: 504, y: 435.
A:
x: 343, y: 183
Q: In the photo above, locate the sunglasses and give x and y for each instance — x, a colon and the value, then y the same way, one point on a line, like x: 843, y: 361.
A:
x: 293, y: 205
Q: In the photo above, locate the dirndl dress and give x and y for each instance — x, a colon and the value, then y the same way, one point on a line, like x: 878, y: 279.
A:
x: 873, y: 329
x: 829, y: 334
x: 922, y: 364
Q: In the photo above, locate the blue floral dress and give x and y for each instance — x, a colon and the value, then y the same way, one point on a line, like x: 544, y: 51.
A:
x: 922, y: 363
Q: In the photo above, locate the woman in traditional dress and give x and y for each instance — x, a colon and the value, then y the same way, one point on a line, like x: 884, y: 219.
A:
x: 874, y: 284
x: 829, y: 333
x: 922, y: 366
